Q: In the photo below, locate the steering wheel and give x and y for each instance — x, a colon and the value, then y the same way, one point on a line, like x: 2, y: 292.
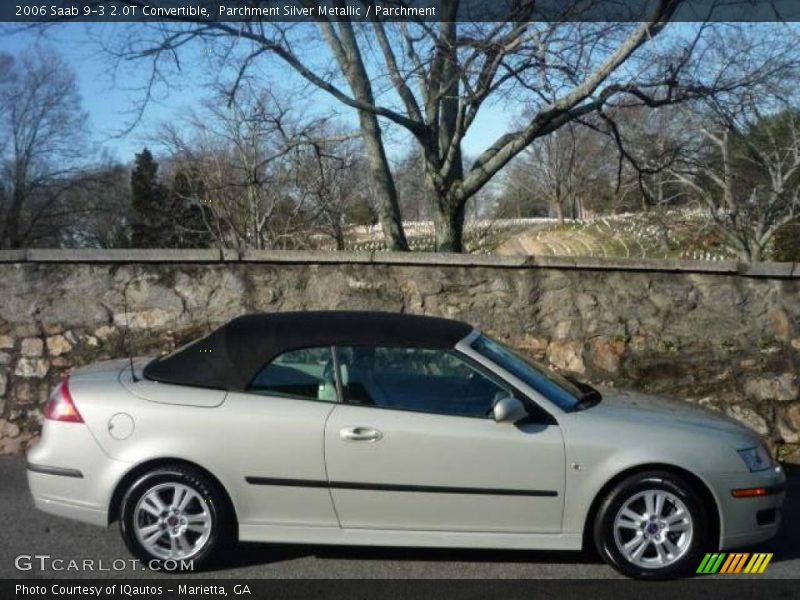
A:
x: 473, y: 381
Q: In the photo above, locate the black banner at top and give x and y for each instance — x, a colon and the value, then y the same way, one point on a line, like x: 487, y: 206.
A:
x: 397, y: 10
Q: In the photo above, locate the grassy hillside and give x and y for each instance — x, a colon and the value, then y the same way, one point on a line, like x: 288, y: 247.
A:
x: 674, y: 234
x: 480, y: 236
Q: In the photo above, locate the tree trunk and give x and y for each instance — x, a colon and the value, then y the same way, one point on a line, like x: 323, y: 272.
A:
x: 756, y: 253
x: 338, y: 234
x: 12, y: 238
x: 559, y: 210
x: 448, y: 220
x: 448, y: 215
x: 579, y: 208
x: 348, y: 55
x: 388, y: 207
x: 448, y: 224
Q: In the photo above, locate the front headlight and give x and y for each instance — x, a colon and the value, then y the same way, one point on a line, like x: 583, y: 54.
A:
x: 756, y: 459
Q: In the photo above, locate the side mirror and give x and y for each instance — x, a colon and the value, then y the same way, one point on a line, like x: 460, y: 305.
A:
x: 508, y: 409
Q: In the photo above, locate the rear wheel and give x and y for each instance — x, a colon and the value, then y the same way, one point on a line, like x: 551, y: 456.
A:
x: 175, y: 514
x: 651, y: 526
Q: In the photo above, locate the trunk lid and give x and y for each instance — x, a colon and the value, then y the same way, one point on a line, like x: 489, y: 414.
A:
x: 105, y: 370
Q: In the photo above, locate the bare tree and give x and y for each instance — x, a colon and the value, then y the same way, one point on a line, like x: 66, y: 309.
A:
x: 42, y: 128
x: 747, y: 174
x: 327, y: 167
x: 568, y: 171
x: 519, y: 198
x: 438, y: 76
x: 106, y: 190
x: 652, y: 140
x: 266, y: 176
x: 552, y: 164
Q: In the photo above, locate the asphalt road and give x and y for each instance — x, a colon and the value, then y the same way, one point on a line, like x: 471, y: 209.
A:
x: 26, y: 531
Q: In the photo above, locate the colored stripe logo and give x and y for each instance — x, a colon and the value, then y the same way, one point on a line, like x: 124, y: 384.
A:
x: 735, y: 562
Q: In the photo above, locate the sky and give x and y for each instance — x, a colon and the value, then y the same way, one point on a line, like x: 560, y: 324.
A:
x: 109, y: 101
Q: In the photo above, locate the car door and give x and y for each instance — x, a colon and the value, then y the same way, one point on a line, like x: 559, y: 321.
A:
x: 276, y: 448
x: 412, y: 447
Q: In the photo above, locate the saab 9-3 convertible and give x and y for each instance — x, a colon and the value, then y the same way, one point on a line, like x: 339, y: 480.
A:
x: 392, y: 430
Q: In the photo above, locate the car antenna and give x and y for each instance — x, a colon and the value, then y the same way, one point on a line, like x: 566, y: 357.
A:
x: 127, y: 329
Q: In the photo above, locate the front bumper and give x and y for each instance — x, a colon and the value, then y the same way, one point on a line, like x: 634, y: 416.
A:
x: 750, y: 520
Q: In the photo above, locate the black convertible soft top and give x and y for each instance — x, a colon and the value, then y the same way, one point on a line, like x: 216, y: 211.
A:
x: 231, y: 356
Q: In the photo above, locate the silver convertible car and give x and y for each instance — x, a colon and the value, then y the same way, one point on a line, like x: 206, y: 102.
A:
x: 392, y: 430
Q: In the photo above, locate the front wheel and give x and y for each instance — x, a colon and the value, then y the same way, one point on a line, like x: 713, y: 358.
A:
x: 652, y: 526
x: 176, y: 518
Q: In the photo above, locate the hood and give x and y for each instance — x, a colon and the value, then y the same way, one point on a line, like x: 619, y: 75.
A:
x: 645, y: 409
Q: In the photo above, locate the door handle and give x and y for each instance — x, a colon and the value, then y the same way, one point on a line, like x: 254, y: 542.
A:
x: 360, y: 434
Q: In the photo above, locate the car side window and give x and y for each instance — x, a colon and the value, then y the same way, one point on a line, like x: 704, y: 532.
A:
x: 418, y: 379
x: 306, y: 374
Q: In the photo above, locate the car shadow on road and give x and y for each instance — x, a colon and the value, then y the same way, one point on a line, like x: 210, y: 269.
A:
x: 785, y: 546
x: 250, y: 554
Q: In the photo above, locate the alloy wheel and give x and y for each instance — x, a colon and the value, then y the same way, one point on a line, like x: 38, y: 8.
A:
x: 172, y: 521
x: 653, y: 529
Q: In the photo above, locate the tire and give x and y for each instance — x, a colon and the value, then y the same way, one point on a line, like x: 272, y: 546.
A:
x: 664, y: 547
x: 175, y: 518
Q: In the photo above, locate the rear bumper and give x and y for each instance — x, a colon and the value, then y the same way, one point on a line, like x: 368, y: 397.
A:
x: 69, y: 475
x: 748, y: 521
x: 60, y: 496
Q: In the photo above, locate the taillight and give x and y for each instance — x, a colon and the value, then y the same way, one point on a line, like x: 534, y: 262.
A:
x: 61, y: 407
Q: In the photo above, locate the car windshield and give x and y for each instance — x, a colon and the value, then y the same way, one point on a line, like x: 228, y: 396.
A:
x: 556, y: 388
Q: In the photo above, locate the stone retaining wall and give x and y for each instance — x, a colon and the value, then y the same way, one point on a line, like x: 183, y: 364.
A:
x: 721, y: 334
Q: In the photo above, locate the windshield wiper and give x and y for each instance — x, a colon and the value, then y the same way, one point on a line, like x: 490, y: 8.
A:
x: 588, y: 400
x: 589, y: 396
